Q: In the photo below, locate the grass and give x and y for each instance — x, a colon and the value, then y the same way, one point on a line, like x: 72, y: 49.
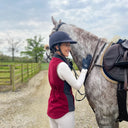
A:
x: 44, y: 66
x: 75, y: 66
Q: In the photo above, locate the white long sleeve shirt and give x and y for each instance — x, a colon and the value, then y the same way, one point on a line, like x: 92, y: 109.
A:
x: 65, y: 73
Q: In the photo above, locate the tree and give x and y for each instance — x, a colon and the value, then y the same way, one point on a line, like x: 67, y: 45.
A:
x: 34, y: 48
x: 14, y: 48
x: 13, y: 45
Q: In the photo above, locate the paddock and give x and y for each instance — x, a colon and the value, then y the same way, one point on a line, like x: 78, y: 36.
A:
x: 27, y: 107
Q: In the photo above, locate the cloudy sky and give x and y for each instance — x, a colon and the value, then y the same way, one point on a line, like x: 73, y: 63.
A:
x: 22, y: 19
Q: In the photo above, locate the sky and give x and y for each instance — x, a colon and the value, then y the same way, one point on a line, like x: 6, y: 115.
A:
x: 23, y: 19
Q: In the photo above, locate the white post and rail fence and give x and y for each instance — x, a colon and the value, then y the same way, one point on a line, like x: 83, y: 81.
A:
x: 13, y: 74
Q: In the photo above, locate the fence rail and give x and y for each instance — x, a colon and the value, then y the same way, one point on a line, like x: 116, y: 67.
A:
x: 13, y: 74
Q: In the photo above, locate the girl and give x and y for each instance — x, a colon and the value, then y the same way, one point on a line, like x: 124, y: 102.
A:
x: 61, y: 101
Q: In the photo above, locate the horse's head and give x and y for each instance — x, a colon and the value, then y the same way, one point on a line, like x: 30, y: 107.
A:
x: 47, y: 55
x: 60, y: 26
x: 86, y: 41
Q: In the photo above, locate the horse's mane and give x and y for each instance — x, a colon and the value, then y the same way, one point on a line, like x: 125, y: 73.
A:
x: 86, y: 35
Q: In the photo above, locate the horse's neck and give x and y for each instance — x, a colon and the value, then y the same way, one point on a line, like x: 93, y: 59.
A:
x: 85, y: 39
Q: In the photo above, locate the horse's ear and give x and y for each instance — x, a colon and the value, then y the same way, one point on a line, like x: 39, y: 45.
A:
x: 54, y: 21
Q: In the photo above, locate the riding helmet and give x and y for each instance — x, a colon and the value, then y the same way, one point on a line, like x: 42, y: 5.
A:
x: 58, y: 38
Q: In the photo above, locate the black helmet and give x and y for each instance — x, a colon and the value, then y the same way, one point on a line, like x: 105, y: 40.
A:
x: 58, y: 38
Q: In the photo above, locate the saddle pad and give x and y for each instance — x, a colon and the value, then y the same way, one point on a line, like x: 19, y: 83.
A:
x: 111, y: 56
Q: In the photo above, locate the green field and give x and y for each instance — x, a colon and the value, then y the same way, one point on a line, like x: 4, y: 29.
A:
x: 44, y: 66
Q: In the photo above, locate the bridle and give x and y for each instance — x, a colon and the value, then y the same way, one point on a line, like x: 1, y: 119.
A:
x: 48, y: 56
x: 58, y: 26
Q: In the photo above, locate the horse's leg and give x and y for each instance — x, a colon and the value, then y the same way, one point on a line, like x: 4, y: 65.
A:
x: 106, y: 121
x: 106, y: 111
x: 102, y: 98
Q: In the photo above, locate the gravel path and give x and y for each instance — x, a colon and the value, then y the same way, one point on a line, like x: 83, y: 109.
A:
x: 27, y: 107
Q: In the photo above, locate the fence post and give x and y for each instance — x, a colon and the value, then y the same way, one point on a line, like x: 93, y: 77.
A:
x: 34, y: 68
x: 10, y: 74
x: 39, y: 66
x: 28, y: 70
x: 31, y: 70
x: 22, y: 77
x: 13, y: 77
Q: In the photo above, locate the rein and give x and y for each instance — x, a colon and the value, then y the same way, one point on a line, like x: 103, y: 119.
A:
x: 93, y: 63
x: 95, y: 58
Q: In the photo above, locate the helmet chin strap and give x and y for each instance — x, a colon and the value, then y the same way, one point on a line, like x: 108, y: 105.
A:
x: 60, y: 51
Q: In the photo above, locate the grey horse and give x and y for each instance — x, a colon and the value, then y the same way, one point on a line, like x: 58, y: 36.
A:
x: 101, y: 93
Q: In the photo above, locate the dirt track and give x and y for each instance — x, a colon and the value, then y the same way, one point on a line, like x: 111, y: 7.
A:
x: 27, y: 107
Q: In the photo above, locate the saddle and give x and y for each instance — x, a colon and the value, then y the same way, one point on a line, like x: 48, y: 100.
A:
x: 115, y: 66
x: 115, y: 62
